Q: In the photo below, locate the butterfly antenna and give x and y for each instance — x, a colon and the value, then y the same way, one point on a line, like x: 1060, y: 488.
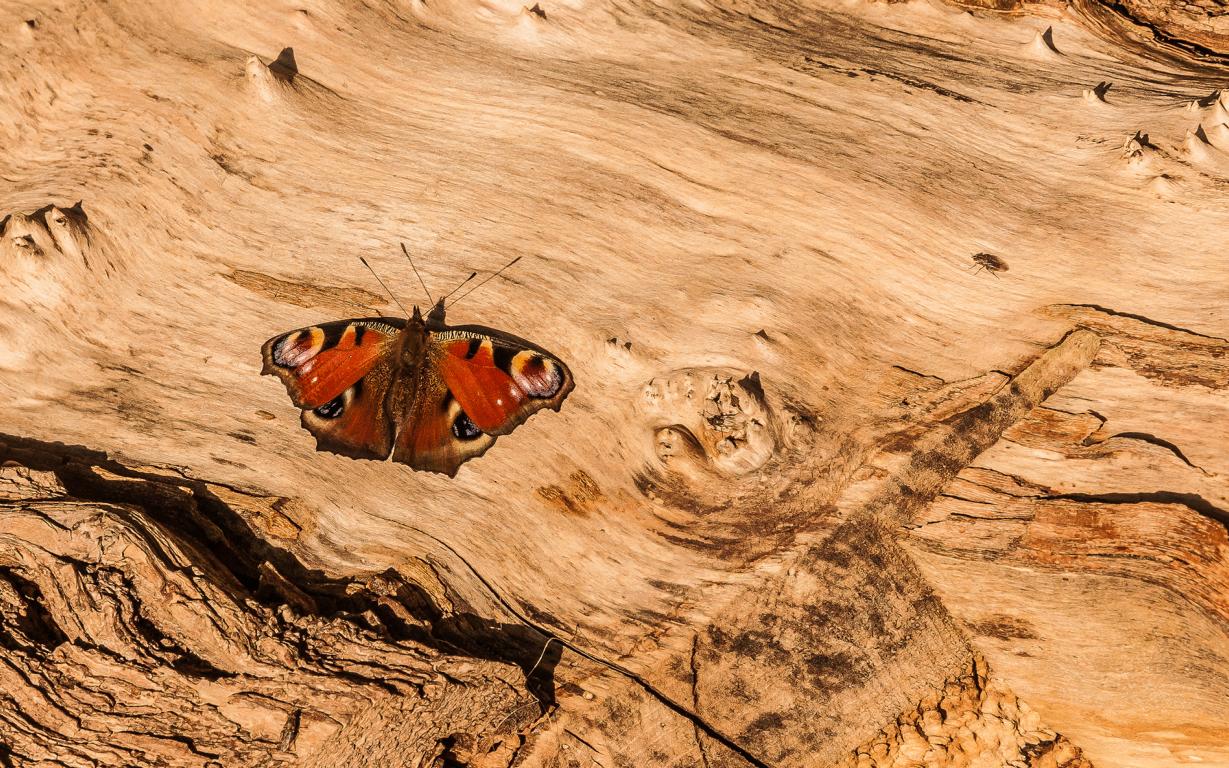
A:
x: 382, y: 285
x: 472, y: 275
x: 484, y: 282
x: 430, y: 301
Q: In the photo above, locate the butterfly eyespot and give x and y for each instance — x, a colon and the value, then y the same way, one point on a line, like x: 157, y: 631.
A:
x: 538, y: 376
x: 463, y: 428
x: 297, y: 348
x: 333, y: 408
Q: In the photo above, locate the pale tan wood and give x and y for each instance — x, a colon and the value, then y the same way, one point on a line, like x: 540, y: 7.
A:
x: 820, y: 474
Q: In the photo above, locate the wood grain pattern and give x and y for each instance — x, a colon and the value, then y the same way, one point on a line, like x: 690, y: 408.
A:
x: 820, y: 473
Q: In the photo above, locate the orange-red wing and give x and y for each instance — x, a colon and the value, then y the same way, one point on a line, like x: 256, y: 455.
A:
x: 319, y: 363
x: 488, y: 395
x: 356, y: 423
x: 475, y: 385
x: 497, y: 380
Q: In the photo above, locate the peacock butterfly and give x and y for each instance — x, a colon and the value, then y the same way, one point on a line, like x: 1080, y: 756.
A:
x: 431, y: 395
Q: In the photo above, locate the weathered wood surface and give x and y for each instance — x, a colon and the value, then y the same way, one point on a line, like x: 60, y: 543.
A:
x: 827, y: 492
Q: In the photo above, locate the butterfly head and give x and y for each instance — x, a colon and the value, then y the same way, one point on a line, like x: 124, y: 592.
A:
x: 435, y: 318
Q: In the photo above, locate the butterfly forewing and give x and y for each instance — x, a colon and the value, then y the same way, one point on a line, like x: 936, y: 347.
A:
x: 498, y: 379
x: 339, y: 374
x: 319, y: 363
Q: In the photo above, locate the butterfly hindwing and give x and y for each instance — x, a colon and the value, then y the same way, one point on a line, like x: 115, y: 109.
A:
x: 319, y: 363
x: 436, y: 435
x: 356, y: 423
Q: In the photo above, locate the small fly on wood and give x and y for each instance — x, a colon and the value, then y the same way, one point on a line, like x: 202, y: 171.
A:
x: 988, y: 262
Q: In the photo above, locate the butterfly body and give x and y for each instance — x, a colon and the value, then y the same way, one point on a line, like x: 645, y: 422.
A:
x: 429, y: 395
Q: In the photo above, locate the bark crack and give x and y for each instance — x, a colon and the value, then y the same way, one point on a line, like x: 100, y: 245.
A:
x: 967, y: 501
x: 1191, y: 501
x: 1147, y: 437
x: 695, y: 698
x: 919, y: 373
x: 1145, y: 320
x: 1021, y: 518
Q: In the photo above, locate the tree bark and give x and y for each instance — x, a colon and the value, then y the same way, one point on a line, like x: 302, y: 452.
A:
x: 140, y: 628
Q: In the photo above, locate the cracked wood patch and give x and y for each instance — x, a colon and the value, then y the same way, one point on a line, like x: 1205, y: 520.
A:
x: 137, y: 629
x: 843, y: 629
x: 852, y: 625
x: 1113, y: 503
x: 842, y: 626
x: 849, y: 625
x: 800, y: 628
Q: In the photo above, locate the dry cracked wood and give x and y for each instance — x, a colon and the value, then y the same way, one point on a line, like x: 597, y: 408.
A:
x: 131, y: 636
x: 843, y: 628
x: 755, y: 532
x: 873, y: 625
x: 1106, y: 502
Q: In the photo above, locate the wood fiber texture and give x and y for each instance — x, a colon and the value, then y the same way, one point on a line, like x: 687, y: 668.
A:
x: 899, y: 333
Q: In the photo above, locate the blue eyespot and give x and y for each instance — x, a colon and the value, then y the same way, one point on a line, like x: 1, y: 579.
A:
x: 465, y: 429
x: 333, y: 408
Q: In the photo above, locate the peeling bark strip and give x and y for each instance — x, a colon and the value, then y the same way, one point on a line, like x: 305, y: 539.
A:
x: 1187, y: 26
x: 125, y: 641
x: 943, y: 451
x: 1170, y: 354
